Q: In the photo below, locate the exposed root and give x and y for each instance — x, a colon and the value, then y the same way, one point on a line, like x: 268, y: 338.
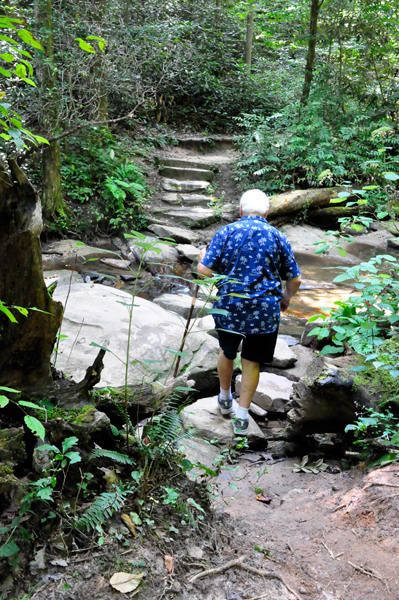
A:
x: 239, y: 562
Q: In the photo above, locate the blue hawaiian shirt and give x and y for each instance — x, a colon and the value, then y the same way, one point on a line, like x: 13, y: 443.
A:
x: 256, y: 257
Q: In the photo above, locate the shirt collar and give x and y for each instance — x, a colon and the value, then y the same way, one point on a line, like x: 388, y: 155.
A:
x: 253, y: 218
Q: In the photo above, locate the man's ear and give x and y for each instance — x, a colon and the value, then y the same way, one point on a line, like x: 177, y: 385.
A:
x: 266, y: 213
x: 240, y: 210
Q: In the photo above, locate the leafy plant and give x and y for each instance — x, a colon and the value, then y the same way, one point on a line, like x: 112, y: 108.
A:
x: 102, y: 508
x: 377, y: 431
x: 364, y: 320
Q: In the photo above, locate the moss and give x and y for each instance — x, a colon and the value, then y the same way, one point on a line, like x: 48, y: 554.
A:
x: 85, y: 415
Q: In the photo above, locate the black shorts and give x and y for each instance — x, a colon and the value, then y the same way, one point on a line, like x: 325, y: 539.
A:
x: 256, y: 347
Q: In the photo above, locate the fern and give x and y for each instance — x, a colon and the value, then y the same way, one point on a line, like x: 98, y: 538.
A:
x: 123, y: 459
x: 102, y: 508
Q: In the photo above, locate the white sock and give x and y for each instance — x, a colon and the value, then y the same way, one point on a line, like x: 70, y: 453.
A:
x: 242, y: 413
x: 225, y: 394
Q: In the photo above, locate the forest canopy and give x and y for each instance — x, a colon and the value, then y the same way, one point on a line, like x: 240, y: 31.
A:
x: 310, y: 86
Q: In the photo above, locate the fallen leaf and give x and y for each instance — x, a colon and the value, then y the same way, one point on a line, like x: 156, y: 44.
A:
x: 128, y: 521
x: 125, y: 582
x: 264, y: 499
x: 169, y: 563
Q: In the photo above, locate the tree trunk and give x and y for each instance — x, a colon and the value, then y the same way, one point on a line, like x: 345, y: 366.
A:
x: 292, y: 202
x: 51, y: 182
x: 52, y: 189
x: 314, y: 15
x: 249, y: 38
x: 25, y: 346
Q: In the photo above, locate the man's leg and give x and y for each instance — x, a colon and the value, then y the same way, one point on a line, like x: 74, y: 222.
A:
x: 249, y: 381
x: 225, y: 371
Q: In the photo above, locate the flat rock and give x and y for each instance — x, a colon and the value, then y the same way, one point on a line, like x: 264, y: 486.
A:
x: 173, y: 185
x: 116, y: 263
x: 188, y: 251
x: 99, y: 314
x: 168, y: 254
x: 298, y: 370
x: 256, y: 410
x: 283, y: 355
x: 181, y: 304
x: 204, y: 415
x: 302, y: 237
x: 306, y: 339
x: 196, y: 218
x: 273, y: 392
x: 178, y: 234
x: 70, y: 253
x: 186, y: 173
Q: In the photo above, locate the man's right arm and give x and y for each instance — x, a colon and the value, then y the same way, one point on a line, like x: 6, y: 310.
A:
x: 202, y: 269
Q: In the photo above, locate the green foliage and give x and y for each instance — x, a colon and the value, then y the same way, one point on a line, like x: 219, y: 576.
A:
x: 293, y: 149
x: 99, y: 170
x: 102, y: 508
x: 377, y: 431
x: 118, y: 457
x: 366, y: 319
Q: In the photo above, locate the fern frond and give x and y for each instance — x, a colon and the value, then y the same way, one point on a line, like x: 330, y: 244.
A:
x: 102, y: 508
x: 123, y: 459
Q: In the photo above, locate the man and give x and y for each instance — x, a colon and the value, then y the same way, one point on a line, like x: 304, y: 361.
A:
x: 255, y: 257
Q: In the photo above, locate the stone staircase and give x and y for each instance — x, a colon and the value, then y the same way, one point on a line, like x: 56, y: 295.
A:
x: 188, y: 175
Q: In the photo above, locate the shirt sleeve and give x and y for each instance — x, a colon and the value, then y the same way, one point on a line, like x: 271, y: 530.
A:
x: 288, y: 268
x: 213, y: 254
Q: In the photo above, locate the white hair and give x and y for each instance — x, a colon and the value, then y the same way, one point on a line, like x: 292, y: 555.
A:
x: 254, y: 201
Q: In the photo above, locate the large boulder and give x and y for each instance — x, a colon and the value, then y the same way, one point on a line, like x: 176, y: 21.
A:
x: 327, y: 398
x: 205, y: 417
x: 303, y: 237
x: 99, y: 315
x: 181, y: 304
x: 273, y: 392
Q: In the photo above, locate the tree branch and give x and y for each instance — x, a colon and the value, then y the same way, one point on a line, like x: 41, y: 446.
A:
x: 70, y: 132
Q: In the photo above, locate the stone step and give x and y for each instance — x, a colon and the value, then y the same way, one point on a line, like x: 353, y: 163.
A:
x: 169, y: 161
x: 178, y: 234
x: 184, y: 174
x: 195, y: 218
x: 173, y: 185
x: 207, y: 145
x: 186, y: 199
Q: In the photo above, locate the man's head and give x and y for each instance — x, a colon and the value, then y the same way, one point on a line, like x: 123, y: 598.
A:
x: 254, y: 202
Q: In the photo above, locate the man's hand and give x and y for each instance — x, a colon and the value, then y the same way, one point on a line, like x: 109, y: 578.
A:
x: 284, y: 302
x: 291, y: 288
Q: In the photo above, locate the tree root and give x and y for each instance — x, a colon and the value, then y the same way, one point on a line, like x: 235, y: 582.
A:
x: 239, y: 562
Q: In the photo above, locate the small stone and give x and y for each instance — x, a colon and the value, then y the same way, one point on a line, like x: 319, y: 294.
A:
x: 257, y: 410
x: 116, y: 263
x: 188, y: 251
x: 195, y: 552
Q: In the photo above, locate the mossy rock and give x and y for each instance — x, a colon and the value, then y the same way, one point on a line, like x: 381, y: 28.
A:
x: 12, y: 446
